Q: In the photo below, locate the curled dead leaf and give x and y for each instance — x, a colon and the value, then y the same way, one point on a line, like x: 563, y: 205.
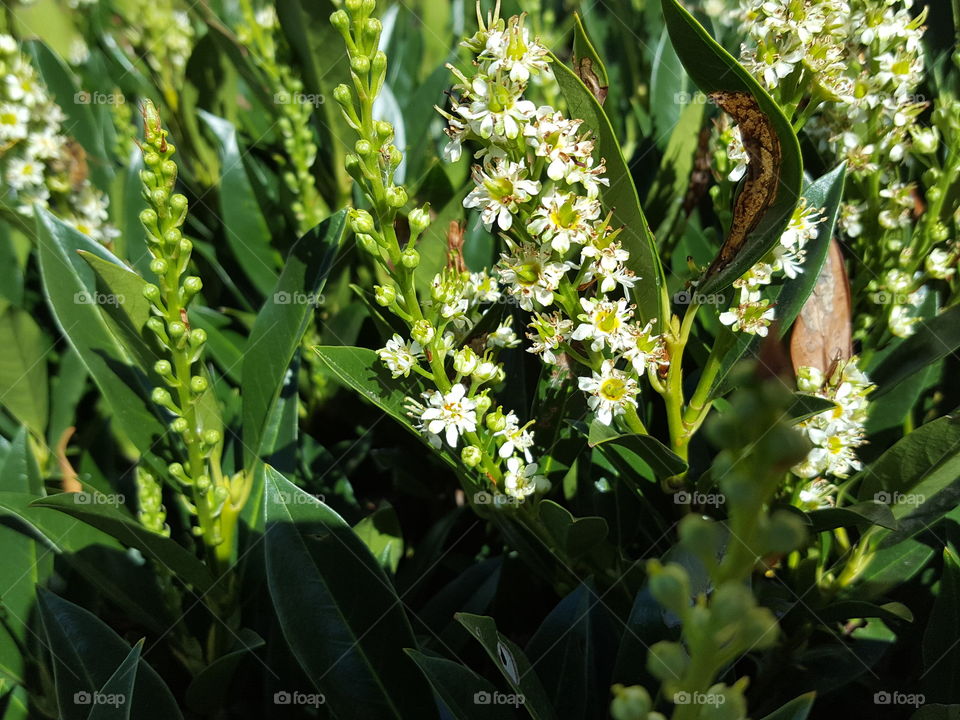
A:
x: 583, y: 67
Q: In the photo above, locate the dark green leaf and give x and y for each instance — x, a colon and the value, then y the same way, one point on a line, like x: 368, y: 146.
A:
x: 797, y: 709
x: 280, y: 325
x: 941, y: 651
x: 23, y: 369
x: 931, y: 341
x: 621, y: 196
x: 211, y: 686
x: 466, y: 694
x: 862, y: 514
x: 381, y: 533
x: 338, y: 611
x: 114, y: 700
x: 664, y: 462
x: 573, y: 536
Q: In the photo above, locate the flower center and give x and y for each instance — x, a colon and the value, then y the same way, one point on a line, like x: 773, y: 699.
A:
x: 608, y: 321
x: 613, y: 389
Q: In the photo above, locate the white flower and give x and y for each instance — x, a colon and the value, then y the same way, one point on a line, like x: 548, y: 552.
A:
x: 504, y: 336
x: 644, y: 349
x: 611, y: 392
x: 24, y: 173
x: 513, y: 52
x: 608, y: 264
x: 496, y: 108
x: 521, y: 480
x: 750, y: 317
x: 400, y: 357
x: 500, y: 189
x: 531, y: 275
x: 940, y: 264
x: 452, y: 414
x: 555, y: 138
x: 13, y: 122
x: 481, y: 288
x: 603, y: 322
x: 551, y: 332
x: 563, y: 219
x: 515, y: 438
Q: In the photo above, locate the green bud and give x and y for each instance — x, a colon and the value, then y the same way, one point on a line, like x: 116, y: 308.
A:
x: 151, y: 292
x: 385, y: 295
x: 630, y: 703
x: 410, y: 258
x: 158, y: 197
x: 465, y: 361
x: 340, y: 20
x: 471, y: 456
x: 180, y: 425
x: 360, y: 64
x: 353, y: 6
x: 396, y: 196
x: 423, y: 332
x: 496, y: 421
x: 782, y: 533
x: 703, y: 537
x: 343, y: 96
x: 155, y: 324
x: 160, y: 396
x: 419, y: 219
x: 163, y: 368
x: 203, y: 483
x: 178, y: 203
x: 939, y: 232
x: 670, y: 586
x: 363, y: 148
x: 169, y: 169
x: 172, y: 237
x: 198, y: 384
x: 483, y: 403
x: 151, y: 159
x: 176, y: 329
x: 371, y: 32
x: 379, y: 64
x: 177, y: 471
x: 158, y: 266
x: 361, y: 222
x: 198, y: 336
x: 192, y: 285
x: 369, y: 244
x: 148, y: 178
x: 667, y: 661
x: 148, y: 218
x: 211, y: 437
x: 383, y: 129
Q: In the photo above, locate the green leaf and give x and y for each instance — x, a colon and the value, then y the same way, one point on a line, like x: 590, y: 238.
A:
x: 941, y: 651
x: 713, y: 69
x: 86, y: 653
x: 573, y: 651
x: 825, y: 192
x: 511, y: 662
x: 847, y: 609
x: 381, y: 534
x: 23, y: 369
x: 935, y: 711
x: 465, y: 694
x: 68, y: 283
x: 588, y: 65
x: 860, y: 515
x: 574, y: 536
x: 931, y: 341
x: 339, y: 613
x: 280, y: 325
x: 669, y: 87
x: 115, y: 699
x: 621, y: 196
x: 210, y: 687
x: 244, y: 227
x: 663, y: 461
x: 665, y: 198
x: 805, y: 406
x: 797, y: 709
x: 91, y: 509
x: 891, y: 567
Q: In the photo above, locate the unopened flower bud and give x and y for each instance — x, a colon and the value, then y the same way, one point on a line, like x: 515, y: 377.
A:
x: 340, y: 20
x: 360, y: 64
x: 410, y: 258
x: 192, y: 285
x: 809, y: 379
x: 471, y: 456
x: 368, y: 243
x: 488, y: 371
x: 198, y: 384
x: 385, y: 295
x: 465, y: 361
x: 483, y: 403
x: 158, y: 266
x: 396, y: 196
x: 198, y: 337
x: 163, y: 368
x: 361, y: 222
x: 151, y: 292
x: 419, y: 219
x: 176, y: 329
x: 180, y: 425
x: 342, y: 94
x: 211, y: 437
x: 423, y: 332
x: 384, y: 130
x: 149, y: 219
x: 496, y: 421
x: 363, y: 148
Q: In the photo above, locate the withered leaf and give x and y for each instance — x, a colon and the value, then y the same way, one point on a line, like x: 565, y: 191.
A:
x: 759, y: 189
x: 583, y: 67
x: 822, y: 333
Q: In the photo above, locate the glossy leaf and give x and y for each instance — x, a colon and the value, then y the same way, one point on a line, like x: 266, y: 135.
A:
x: 797, y: 709
x: 573, y: 536
x: 621, y: 195
x: 713, y: 69
x: 280, y: 325
x: 663, y: 461
x: 23, y: 369
x: 117, y: 692
x: 932, y: 340
x: 380, y: 532
x: 211, y: 686
x: 339, y: 613
x: 464, y: 693
x: 941, y: 651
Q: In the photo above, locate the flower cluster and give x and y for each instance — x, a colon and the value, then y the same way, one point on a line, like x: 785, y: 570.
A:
x: 39, y: 164
x: 537, y: 183
x: 835, y: 434
x: 455, y: 361
x: 753, y: 314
